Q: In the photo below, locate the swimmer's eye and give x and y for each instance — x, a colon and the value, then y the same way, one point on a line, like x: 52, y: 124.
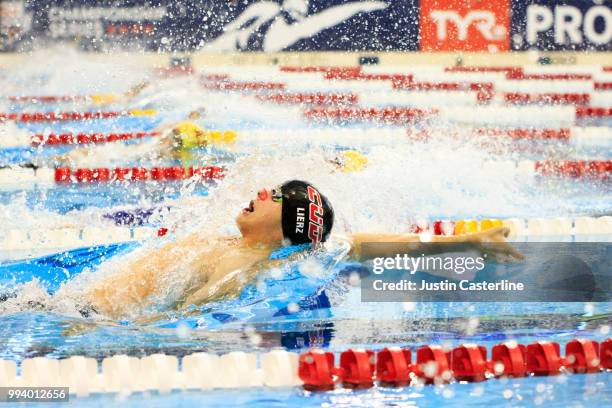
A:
x: 277, y: 195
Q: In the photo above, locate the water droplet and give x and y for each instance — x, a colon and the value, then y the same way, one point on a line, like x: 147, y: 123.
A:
x: 183, y: 331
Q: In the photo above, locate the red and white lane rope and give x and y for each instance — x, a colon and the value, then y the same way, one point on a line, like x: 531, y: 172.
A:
x: 602, y: 86
x: 574, y: 134
x: 589, y: 135
x: 442, y: 86
x: 34, y: 99
x: 384, y: 115
x: 69, y: 116
x: 315, y: 98
x: 482, y: 69
x: 53, y: 139
x: 588, y: 169
x: 225, y: 85
x: 520, y: 75
x: 582, y: 228
x: 131, y: 174
x: 527, y: 133
x: 483, y: 116
x: 315, y: 370
x: 593, y: 112
x: 393, y: 366
x: 548, y: 98
x: 506, y: 84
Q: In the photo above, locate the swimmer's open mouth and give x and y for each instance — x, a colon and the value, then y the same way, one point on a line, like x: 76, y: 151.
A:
x: 250, y: 208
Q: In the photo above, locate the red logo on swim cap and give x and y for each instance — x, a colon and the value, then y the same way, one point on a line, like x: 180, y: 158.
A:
x: 315, y: 225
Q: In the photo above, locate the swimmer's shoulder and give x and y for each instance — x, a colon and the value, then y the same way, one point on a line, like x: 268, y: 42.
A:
x: 354, y: 243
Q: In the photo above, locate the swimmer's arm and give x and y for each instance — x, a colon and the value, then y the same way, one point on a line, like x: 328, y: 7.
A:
x: 138, y: 278
x: 136, y: 89
x: 392, y: 244
x: 72, y: 157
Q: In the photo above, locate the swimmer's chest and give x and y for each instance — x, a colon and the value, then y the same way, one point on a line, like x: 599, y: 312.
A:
x: 228, y: 257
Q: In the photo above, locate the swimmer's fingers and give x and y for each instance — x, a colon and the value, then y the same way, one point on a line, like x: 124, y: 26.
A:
x: 497, y: 234
x: 494, y: 240
x: 516, y: 254
x: 509, y: 250
x: 502, y: 252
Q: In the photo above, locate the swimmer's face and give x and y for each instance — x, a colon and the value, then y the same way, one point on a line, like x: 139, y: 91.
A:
x: 262, y: 217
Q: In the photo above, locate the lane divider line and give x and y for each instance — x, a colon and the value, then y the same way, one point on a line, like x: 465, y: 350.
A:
x: 393, y: 366
x: 595, y: 228
x: 12, y: 176
x: 86, y: 138
x: 314, y: 370
x: 47, y: 98
x: 72, y: 116
x: 105, y: 174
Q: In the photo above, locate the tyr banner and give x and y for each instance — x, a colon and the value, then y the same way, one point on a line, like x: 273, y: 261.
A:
x: 465, y: 25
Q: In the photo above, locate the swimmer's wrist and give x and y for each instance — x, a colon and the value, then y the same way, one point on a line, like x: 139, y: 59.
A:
x: 471, y: 238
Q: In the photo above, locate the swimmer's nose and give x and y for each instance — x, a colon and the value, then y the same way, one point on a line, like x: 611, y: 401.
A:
x: 263, y: 194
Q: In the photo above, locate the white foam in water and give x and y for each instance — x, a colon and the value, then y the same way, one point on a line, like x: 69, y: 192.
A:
x: 11, y: 135
x: 62, y: 70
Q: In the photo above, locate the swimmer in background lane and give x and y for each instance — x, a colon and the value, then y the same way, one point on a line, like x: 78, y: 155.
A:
x: 181, y: 138
x: 219, y: 267
x: 176, y: 141
x: 350, y: 161
x: 110, y: 98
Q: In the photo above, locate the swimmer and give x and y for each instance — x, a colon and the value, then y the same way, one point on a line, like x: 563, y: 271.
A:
x: 219, y: 267
x: 184, y: 136
x: 110, y: 98
x: 176, y: 141
x: 349, y: 161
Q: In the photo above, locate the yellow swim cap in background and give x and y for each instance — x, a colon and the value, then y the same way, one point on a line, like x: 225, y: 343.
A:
x: 103, y: 99
x: 143, y: 112
x: 188, y: 134
x: 218, y: 137
x: 352, y: 161
x: 193, y: 136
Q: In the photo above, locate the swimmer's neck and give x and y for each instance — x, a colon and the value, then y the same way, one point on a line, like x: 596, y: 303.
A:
x: 253, y: 239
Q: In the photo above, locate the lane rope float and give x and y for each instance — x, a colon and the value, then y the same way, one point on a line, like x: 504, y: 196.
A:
x: 393, y: 366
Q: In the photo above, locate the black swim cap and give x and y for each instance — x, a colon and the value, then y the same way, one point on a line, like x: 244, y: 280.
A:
x: 307, y: 215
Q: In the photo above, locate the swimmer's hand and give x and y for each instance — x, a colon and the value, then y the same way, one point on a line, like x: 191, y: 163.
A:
x: 492, y: 242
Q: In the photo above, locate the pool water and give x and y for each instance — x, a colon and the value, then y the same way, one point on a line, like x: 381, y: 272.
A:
x: 551, y: 391
x: 447, y: 176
